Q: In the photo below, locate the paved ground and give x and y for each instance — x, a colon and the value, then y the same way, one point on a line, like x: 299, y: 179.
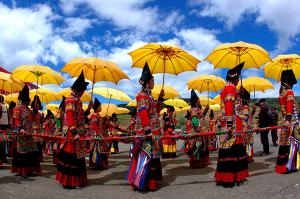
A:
x: 180, y: 181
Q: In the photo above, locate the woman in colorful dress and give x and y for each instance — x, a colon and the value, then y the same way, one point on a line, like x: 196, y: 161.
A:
x: 59, y: 119
x: 71, y: 168
x: 25, y: 151
x: 246, y: 119
x: 113, y: 131
x: 99, y: 150
x: 232, y: 164
x: 287, y: 104
x: 146, y: 175
x: 37, y: 122
x: 198, y: 153
x: 48, y: 127
x: 169, y: 145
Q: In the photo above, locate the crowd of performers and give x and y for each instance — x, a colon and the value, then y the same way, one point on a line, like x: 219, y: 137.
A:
x: 235, y: 150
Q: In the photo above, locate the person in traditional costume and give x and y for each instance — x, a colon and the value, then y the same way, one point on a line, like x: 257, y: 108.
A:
x: 286, y: 159
x: 232, y: 166
x: 37, y: 122
x: 246, y: 119
x: 25, y: 151
x: 188, y: 126
x: 213, y: 144
x: 145, y: 171
x: 4, y: 125
x: 169, y: 145
x: 113, y: 131
x: 198, y: 153
x: 48, y: 127
x: 59, y: 119
x: 71, y: 168
x: 99, y: 150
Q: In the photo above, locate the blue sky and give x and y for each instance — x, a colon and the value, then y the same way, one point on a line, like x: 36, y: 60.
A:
x: 53, y: 32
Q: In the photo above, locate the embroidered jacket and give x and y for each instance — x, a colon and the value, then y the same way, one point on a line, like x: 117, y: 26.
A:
x: 22, y: 117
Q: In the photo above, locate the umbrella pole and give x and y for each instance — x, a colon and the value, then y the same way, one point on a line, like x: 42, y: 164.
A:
x: 163, y: 85
x: 208, y: 93
x: 37, y: 84
x: 94, y: 73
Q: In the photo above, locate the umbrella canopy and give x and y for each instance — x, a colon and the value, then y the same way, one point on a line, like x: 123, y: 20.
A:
x: 252, y: 84
x: 52, y: 107
x: 112, y: 93
x: 121, y: 110
x: 164, y: 59
x: 9, y: 83
x: 11, y: 97
x: 46, y: 95
x: 176, y: 103
x: 39, y: 74
x: 217, y: 99
x: 204, y: 83
x: 280, y: 63
x: 215, y: 107
x: 206, y: 101
x: 108, y: 109
x: 164, y: 110
x: 86, y: 97
x: 95, y: 70
x: 132, y: 103
x: 228, y: 55
x: 170, y: 92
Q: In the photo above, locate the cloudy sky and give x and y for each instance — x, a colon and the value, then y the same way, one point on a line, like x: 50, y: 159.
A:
x: 52, y: 32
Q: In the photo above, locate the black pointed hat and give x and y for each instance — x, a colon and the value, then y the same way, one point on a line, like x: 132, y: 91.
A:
x: 37, y: 100
x: 211, y: 114
x: 62, y: 104
x: 24, y: 95
x: 194, y: 97
x: 12, y: 104
x: 235, y: 72
x: 146, y: 75
x: 288, y: 77
x: 133, y: 112
x: 96, y: 104
x: 80, y: 84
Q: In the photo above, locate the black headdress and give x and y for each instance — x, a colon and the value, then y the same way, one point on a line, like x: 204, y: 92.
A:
x: 194, y: 98
x: 288, y: 77
x: 211, y: 114
x: 235, y: 72
x: 171, y: 108
x: 146, y: 75
x: 12, y: 105
x: 24, y: 95
x: 96, y: 104
x: 80, y: 84
x: 37, y: 100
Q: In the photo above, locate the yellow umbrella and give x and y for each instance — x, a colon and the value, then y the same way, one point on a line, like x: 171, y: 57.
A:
x: 95, y: 70
x: 112, y: 94
x: 46, y: 95
x: 86, y: 97
x: 164, y: 59
x: 9, y: 83
x: 206, y: 101
x: 170, y: 92
x: 207, y: 83
x: 108, y: 110
x: 11, y: 97
x: 217, y: 99
x: 283, y: 62
x: 215, y: 107
x: 39, y: 74
x: 52, y: 107
x: 132, y: 103
x: 228, y: 55
x: 176, y: 103
x: 252, y: 84
x: 121, y: 110
x: 164, y: 110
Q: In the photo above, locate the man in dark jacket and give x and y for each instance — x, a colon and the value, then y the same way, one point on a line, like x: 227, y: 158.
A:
x: 274, y: 116
x: 264, y: 120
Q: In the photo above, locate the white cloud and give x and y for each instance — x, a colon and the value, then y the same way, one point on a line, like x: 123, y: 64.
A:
x: 76, y: 26
x: 127, y: 14
x: 278, y: 15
